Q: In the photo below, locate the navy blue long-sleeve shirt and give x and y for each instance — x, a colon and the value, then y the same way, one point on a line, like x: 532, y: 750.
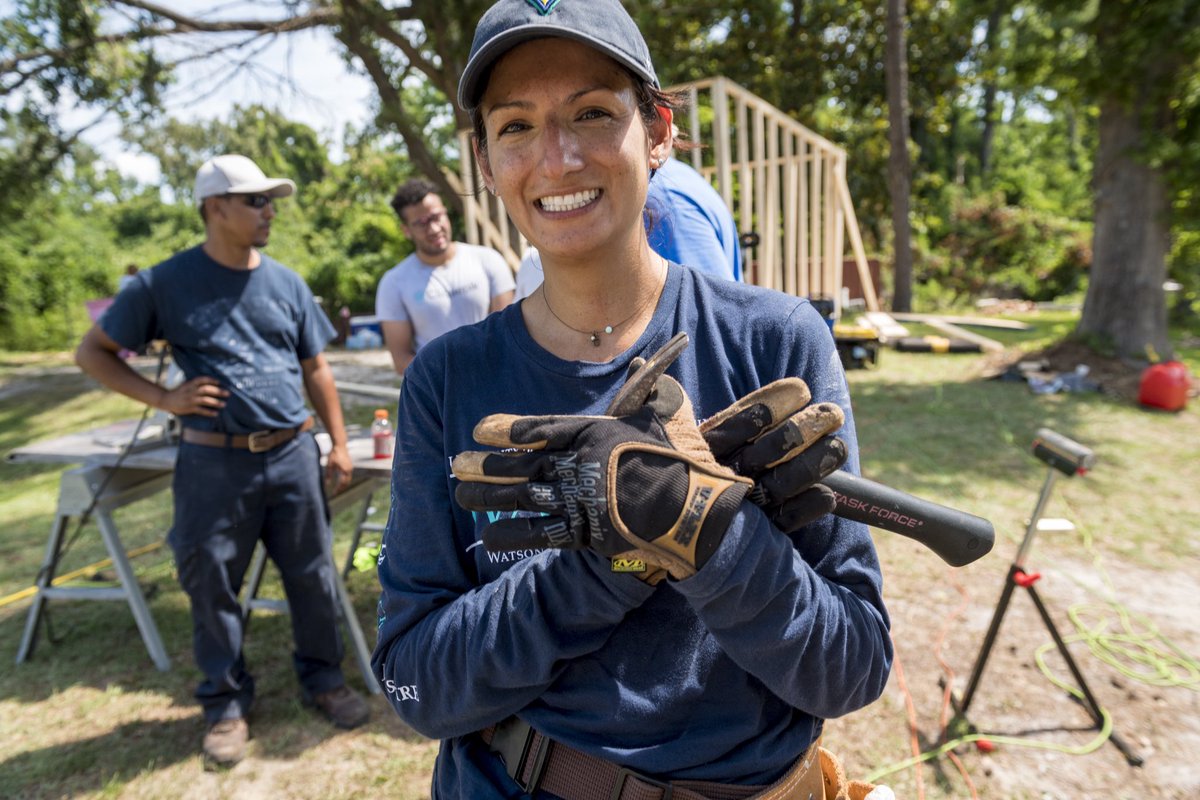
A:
x: 725, y: 676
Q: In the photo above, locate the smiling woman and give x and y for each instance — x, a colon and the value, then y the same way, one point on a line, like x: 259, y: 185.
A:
x: 571, y: 156
x: 595, y: 607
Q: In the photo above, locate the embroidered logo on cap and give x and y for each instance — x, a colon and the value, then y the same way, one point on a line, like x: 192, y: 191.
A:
x: 544, y: 7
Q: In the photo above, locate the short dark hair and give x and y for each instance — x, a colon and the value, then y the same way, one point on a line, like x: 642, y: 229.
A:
x: 410, y: 193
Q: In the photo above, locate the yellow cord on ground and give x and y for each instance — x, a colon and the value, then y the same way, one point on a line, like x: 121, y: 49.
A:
x: 82, y: 572
x: 1167, y: 665
x: 1015, y: 741
x: 1132, y: 653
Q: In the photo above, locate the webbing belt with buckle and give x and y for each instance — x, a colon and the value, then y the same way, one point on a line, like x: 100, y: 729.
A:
x: 536, y: 761
x: 257, y: 442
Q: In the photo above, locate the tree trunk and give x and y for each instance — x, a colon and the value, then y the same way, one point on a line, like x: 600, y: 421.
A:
x: 989, y: 94
x: 989, y: 129
x: 899, y: 166
x: 391, y: 111
x: 1073, y: 145
x: 1125, y: 306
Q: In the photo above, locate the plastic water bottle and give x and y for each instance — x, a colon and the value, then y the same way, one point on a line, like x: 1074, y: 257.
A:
x: 382, y: 435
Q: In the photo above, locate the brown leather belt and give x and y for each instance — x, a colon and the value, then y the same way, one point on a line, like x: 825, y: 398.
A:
x: 536, y: 761
x: 257, y: 442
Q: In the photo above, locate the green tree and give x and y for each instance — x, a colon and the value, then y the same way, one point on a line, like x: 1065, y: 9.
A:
x: 1004, y: 95
x: 80, y: 228
x: 1139, y: 68
x: 59, y: 50
x: 56, y: 259
x: 899, y: 168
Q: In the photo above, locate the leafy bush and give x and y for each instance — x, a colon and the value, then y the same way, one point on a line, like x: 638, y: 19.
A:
x: 53, y: 263
x: 1184, y: 269
x: 982, y: 247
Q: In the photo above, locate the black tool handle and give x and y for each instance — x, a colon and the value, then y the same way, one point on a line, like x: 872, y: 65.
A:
x: 958, y: 537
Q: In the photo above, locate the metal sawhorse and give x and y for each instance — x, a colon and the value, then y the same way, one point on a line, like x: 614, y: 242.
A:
x: 1070, y: 458
x: 118, y: 487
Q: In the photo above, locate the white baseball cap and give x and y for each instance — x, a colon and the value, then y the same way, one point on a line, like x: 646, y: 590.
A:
x: 234, y: 174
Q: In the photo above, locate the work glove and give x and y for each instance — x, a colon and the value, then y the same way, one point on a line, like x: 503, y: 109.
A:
x: 786, y: 445
x: 641, y: 484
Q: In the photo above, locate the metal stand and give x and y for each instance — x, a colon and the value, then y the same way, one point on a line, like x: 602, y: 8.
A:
x: 75, y: 493
x: 363, y: 490
x: 127, y: 485
x: 1017, y: 576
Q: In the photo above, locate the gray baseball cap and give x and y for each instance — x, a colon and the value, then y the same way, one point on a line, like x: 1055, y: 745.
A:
x: 602, y: 24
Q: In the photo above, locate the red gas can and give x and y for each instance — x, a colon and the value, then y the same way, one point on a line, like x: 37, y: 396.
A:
x: 1165, y: 386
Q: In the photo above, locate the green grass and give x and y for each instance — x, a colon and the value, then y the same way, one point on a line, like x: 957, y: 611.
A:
x: 967, y: 442
x: 90, y: 717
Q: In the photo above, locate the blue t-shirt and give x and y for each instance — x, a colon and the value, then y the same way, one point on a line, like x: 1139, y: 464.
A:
x: 725, y: 676
x: 249, y: 329
x: 690, y: 223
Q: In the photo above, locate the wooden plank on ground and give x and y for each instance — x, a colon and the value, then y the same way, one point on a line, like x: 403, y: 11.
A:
x: 981, y: 322
x: 369, y: 390
x: 884, y: 323
x: 950, y: 329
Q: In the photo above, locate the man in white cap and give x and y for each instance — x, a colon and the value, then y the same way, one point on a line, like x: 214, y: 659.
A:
x: 248, y: 335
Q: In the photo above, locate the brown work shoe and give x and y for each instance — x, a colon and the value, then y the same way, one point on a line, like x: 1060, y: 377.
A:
x: 225, y: 742
x: 343, y: 706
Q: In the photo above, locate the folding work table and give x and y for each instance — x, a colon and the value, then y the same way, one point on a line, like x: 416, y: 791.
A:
x: 105, y: 482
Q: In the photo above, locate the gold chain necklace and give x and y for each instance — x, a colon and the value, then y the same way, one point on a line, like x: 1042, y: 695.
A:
x: 594, y: 335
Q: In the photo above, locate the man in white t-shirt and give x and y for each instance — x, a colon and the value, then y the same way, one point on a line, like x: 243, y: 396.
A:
x: 442, y: 285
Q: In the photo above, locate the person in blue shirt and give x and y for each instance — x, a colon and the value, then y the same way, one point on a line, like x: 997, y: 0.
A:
x: 689, y: 223
x: 248, y: 336
x: 595, y: 606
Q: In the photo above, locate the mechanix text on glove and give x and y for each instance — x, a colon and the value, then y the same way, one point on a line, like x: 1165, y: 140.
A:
x: 643, y: 485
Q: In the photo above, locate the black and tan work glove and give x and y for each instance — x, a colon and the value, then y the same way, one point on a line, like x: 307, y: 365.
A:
x: 641, y: 485
x: 775, y: 437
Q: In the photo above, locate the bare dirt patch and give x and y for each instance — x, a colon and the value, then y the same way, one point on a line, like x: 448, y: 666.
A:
x: 363, y: 366
x: 1046, y: 744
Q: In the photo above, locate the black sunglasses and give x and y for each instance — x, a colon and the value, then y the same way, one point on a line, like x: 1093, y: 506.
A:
x: 254, y: 200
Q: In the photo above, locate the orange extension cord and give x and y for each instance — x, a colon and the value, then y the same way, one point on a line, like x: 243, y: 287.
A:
x: 943, y: 714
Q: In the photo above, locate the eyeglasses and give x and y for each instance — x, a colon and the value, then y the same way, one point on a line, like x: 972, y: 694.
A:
x: 427, y: 222
x: 258, y: 201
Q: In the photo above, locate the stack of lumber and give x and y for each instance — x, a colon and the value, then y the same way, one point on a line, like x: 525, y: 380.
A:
x: 957, y: 337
